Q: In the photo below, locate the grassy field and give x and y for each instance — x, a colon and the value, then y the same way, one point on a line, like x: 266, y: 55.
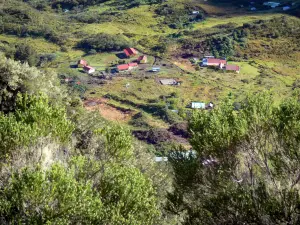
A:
x: 238, y: 20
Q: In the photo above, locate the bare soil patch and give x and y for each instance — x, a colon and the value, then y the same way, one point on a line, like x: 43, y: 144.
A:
x: 184, y: 64
x: 108, y: 111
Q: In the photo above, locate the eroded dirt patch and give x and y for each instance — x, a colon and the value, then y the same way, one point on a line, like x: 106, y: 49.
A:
x: 107, y: 111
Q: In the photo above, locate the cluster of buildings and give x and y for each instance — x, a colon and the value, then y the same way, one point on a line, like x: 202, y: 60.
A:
x: 84, y: 64
x: 129, y: 53
x: 220, y: 63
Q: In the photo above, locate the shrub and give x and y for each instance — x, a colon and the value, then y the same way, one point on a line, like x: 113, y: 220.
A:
x: 104, y: 42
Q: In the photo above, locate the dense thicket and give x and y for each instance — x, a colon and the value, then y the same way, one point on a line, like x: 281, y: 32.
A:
x: 70, y: 4
x: 179, y: 17
x: 247, y: 169
x: 104, y: 42
x: 21, y: 78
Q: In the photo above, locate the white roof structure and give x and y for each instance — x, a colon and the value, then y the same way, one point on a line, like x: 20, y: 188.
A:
x: 161, y: 159
x: 198, y: 105
x: 168, y: 81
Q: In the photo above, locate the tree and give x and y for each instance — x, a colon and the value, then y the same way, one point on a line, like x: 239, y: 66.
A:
x: 221, y: 46
x: 104, y: 42
x: 34, y: 118
x: 128, y: 196
x: 25, y: 53
x: 74, y: 194
x: 34, y: 196
x: 118, y: 142
x: 247, y: 166
x: 16, y: 77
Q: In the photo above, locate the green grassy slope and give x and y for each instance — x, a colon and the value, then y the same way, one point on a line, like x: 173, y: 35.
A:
x: 271, y: 63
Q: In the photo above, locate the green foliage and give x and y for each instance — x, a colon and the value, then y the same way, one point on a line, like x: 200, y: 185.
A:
x: 25, y: 53
x: 139, y: 120
x: 217, y: 129
x: 178, y: 17
x: 104, y: 42
x: 52, y: 196
x: 246, y: 163
x: 118, y: 141
x: 33, y: 118
x: 221, y: 46
x: 83, y: 192
x: 134, y: 194
x: 20, y: 78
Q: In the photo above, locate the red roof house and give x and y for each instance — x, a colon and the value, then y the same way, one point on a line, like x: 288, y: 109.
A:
x: 142, y: 59
x: 232, y: 68
x: 89, y: 69
x: 216, y: 62
x: 129, y: 52
x: 82, y: 63
x: 132, y: 65
x: 123, y: 67
x: 128, y: 66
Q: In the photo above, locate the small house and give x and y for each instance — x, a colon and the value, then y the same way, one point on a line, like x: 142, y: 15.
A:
x: 81, y: 63
x: 285, y: 8
x: 214, y: 62
x: 234, y: 68
x: 132, y: 65
x: 122, y: 67
x: 142, y: 59
x: 198, y: 105
x: 125, y: 67
x: 89, y: 69
x: 155, y: 69
x: 130, y: 52
x: 168, y: 81
x: 195, y: 12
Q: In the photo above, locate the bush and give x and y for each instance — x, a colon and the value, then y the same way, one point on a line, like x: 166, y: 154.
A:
x: 180, y: 129
x: 25, y: 53
x: 92, y: 52
x: 139, y: 120
x: 221, y: 46
x: 104, y: 42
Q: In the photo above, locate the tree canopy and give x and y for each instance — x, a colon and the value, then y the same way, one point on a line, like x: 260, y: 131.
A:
x: 247, y: 165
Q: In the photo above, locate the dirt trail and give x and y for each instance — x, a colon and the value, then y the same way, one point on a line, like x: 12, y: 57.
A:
x: 107, y: 111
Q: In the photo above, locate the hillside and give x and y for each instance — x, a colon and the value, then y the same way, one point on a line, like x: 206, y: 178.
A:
x: 264, y: 43
x: 171, y: 112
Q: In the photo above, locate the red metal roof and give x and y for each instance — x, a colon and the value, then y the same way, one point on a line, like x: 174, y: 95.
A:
x: 130, y: 51
x: 132, y: 64
x: 232, y: 67
x: 216, y: 61
x: 123, y: 67
x: 82, y: 62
